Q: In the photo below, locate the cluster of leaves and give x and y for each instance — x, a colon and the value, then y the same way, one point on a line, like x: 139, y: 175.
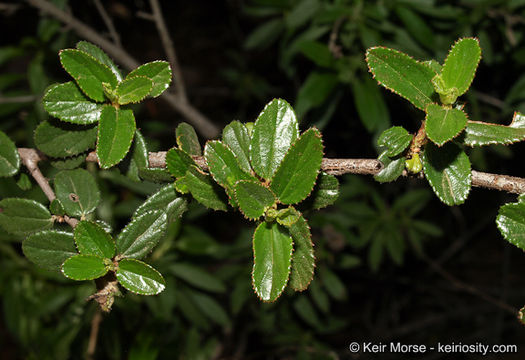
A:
x: 327, y: 39
x: 100, y: 94
x: 435, y: 88
x: 260, y: 166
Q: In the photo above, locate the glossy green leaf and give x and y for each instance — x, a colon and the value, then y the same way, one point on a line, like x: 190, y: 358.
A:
x: 100, y: 56
x: 187, y: 139
x: 49, y: 249
x: 133, y: 89
x: 139, y: 277
x: 287, y: 216
x: 205, y: 190
x: 444, y: 124
x: 253, y: 198
x: 480, y: 133
x: 273, y: 133
x: 272, y: 252
x: 303, y: 259
x: 511, y: 223
x: 67, y: 103
x: 178, y: 162
x: 84, y: 267
x: 236, y: 136
x: 9, y: 158
x: 141, y: 159
x: 370, y: 104
x: 197, y: 277
x: 461, y: 64
x: 447, y: 169
x: 115, y: 134
x: 142, y: 234
x: 325, y: 193
x: 159, y: 72
x: 295, y: 177
x: 88, y: 72
x: 78, y: 192
x: 64, y: 141
x: 92, y: 239
x: 392, y: 168
x: 402, y: 75
x: 166, y: 199
x: 224, y: 167
x: 23, y: 216
x: 394, y: 140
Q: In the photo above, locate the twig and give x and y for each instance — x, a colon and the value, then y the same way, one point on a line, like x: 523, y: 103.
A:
x: 469, y: 288
x: 511, y: 184
x: 30, y: 159
x: 18, y: 99
x: 109, y: 23
x: 332, y: 42
x: 93, y: 336
x: 201, y: 122
x: 145, y: 15
x: 167, y: 43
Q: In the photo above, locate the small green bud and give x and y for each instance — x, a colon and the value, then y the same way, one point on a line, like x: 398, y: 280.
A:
x: 414, y: 164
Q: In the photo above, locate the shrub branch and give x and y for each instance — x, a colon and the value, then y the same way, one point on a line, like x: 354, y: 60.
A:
x: 196, y: 118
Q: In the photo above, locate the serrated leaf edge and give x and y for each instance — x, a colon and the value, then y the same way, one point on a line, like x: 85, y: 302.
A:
x: 511, y: 141
x: 147, y: 265
x: 87, y: 279
x: 107, y: 166
x: 477, y: 64
x: 440, y: 144
x: 240, y: 209
x: 129, y: 78
x: 370, y: 69
x: 313, y: 255
x: 152, y: 62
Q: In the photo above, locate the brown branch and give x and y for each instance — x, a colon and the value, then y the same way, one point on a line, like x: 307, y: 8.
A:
x: 93, y: 336
x: 109, y: 23
x: 30, y: 159
x: 167, y: 43
x: 201, y: 122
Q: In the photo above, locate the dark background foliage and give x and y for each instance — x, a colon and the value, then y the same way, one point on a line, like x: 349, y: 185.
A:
x: 394, y: 264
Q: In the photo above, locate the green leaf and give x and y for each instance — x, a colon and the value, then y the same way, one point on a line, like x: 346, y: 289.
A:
x: 447, y: 169
x: 392, y: 168
x: 115, y: 134
x: 274, y: 132
x: 479, y: 133
x: 64, y: 141
x: 442, y: 124
x: 334, y: 286
x: 224, y: 167
x: 141, y: 159
x: 511, y: 223
x: 303, y: 259
x: 67, y: 103
x: 370, y: 104
x: 288, y: 216
x: 295, y: 177
x: 56, y: 208
x: 84, y: 267
x: 317, y: 52
x: 23, y: 182
x: 236, y: 136
x: 402, y: 75
x: 197, y: 277
x: 49, y: 249
x: 23, y: 216
x: 178, y: 162
x: 92, y: 239
x: 264, y: 35
x: 78, y: 192
x: 211, y: 308
x: 205, y: 190
x: 142, y: 234
x: 395, y: 140
x: 253, y: 198
x: 100, y: 56
x: 272, y: 252
x: 461, y: 64
x: 325, y: 193
x: 133, y: 89
x: 187, y: 139
x: 159, y: 72
x: 87, y: 72
x: 68, y: 163
x: 166, y: 199
x: 9, y: 158
x: 139, y: 277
